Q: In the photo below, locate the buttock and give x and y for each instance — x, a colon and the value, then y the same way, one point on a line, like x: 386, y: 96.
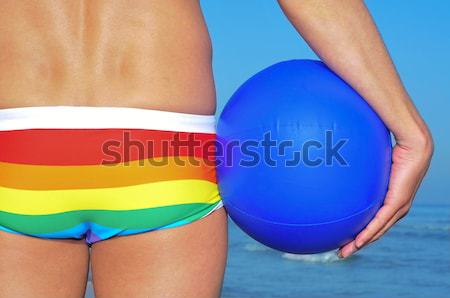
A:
x: 100, y: 172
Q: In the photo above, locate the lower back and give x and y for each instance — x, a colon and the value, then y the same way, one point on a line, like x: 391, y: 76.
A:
x: 148, y: 54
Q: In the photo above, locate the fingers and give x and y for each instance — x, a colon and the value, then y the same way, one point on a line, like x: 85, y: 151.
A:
x: 347, y: 250
x: 396, y: 205
x: 399, y: 215
x: 350, y: 248
x: 402, y: 212
x: 406, y: 175
x: 384, y: 215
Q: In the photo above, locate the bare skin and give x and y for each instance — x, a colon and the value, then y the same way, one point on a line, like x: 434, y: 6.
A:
x: 157, y: 55
x: 33, y: 267
x: 152, y: 54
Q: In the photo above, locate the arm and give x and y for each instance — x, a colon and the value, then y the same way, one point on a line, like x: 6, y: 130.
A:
x: 344, y: 35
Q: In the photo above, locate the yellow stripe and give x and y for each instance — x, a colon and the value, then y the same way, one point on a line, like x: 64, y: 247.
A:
x: 150, y: 195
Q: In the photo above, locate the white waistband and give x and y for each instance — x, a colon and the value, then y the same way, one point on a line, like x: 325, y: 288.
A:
x: 66, y: 117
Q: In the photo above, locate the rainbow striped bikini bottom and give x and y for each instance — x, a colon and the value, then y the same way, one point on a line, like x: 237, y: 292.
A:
x: 100, y: 172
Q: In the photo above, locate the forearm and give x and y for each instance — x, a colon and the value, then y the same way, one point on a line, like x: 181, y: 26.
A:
x: 344, y: 35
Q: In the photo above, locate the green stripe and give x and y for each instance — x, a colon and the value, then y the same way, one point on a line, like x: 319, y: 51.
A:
x: 130, y: 219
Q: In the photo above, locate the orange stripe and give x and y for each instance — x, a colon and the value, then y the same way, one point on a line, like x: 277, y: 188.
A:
x: 102, y: 176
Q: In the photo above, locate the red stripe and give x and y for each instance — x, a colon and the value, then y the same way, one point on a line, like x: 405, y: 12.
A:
x: 95, y: 146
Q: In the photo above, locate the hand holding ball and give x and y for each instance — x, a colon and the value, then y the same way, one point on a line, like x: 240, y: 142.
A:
x: 305, y: 162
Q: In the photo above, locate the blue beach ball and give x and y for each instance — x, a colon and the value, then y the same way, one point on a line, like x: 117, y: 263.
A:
x: 303, y: 161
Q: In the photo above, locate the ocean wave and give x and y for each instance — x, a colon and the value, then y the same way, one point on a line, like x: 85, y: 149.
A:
x: 429, y: 227
x: 255, y: 247
x: 326, y: 257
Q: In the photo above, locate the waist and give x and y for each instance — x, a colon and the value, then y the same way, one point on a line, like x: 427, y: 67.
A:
x: 86, y: 117
x: 176, y: 95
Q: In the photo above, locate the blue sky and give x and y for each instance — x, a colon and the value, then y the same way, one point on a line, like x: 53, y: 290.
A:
x: 250, y: 35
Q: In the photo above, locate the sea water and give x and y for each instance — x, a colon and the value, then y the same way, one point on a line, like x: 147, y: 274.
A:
x: 412, y: 260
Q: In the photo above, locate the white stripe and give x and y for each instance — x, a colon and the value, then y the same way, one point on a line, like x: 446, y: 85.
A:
x: 66, y: 117
x: 218, y: 206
